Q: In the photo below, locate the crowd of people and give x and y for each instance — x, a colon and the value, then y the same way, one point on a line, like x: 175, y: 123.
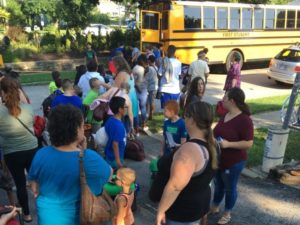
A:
x: 193, y: 153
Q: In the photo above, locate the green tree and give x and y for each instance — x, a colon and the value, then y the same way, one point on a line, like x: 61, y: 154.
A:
x: 34, y: 9
x: 16, y: 15
x: 76, y: 13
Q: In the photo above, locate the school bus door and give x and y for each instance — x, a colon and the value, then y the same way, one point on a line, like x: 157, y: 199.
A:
x: 150, y: 28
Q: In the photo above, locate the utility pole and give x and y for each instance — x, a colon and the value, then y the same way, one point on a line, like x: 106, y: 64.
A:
x: 292, y: 101
x: 277, y: 138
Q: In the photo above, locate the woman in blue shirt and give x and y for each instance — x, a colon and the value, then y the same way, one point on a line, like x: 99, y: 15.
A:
x: 54, y: 173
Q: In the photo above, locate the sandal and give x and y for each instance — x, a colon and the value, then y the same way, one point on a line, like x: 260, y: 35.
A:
x: 225, y: 219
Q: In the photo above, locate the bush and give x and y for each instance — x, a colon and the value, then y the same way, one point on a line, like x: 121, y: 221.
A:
x: 19, y: 52
x: 48, y: 39
x: 17, y: 34
x: 116, y: 37
x: 99, y: 43
x: 132, y: 37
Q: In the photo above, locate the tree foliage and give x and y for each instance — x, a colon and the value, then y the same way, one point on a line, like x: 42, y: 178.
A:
x: 126, y: 2
x: 76, y: 12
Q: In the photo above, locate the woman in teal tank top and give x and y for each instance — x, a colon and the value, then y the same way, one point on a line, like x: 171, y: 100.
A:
x: 123, y: 74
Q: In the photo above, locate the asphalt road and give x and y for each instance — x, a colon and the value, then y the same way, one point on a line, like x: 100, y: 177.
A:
x: 260, y: 202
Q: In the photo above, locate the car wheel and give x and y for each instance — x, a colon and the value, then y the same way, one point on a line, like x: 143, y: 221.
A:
x: 279, y: 82
x: 230, y: 58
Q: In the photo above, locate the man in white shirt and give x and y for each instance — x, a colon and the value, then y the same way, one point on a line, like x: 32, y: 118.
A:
x: 171, y: 70
x: 199, y: 68
x: 85, y: 78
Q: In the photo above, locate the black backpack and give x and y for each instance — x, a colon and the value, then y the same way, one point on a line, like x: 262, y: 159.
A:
x: 46, y: 104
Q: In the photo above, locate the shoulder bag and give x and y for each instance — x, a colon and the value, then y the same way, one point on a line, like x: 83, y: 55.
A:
x: 94, y: 210
x: 37, y: 134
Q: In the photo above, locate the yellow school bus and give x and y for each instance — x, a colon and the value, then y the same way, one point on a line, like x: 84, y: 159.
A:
x: 255, y: 32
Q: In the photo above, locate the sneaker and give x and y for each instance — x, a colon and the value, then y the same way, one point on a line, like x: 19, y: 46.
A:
x: 297, y: 124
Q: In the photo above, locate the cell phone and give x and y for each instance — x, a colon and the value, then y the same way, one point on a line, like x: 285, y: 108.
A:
x: 5, y: 211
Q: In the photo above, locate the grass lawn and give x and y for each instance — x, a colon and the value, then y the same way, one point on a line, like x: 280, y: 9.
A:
x: 155, y: 125
x: 257, y: 151
x: 44, y: 78
x: 258, y: 105
x: 266, y: 104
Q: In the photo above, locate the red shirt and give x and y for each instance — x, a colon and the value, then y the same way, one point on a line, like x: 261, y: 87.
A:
x: 240, y: 128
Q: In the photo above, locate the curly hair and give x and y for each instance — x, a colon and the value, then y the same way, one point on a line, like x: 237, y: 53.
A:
x: 12, y: 95
x: 121, y: 64
x: 63, y: 124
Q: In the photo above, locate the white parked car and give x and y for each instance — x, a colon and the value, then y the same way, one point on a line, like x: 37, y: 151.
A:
x: 97, y: 28
x: 284, y: 67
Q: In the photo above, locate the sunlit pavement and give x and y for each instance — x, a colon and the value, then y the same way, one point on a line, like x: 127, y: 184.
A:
x: 259, y: 203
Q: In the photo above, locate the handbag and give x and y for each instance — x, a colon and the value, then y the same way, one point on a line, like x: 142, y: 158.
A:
x: 100, y: 112
x: 220, y: 110
x: 40, y: 139
x: 94, y: 210
x: 134, y: 150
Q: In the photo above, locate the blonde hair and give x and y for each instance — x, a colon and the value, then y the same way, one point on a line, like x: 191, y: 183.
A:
x: 126, y: 175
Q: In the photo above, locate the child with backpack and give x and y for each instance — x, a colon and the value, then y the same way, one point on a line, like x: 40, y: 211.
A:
x: 125, y: 178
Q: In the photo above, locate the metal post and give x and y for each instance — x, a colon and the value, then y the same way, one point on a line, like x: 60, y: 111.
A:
x: 292, y: 101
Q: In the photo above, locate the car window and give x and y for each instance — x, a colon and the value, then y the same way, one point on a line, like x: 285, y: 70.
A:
x: 290, y: 55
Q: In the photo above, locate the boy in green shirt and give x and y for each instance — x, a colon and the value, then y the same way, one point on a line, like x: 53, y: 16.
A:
x: 90, y: 97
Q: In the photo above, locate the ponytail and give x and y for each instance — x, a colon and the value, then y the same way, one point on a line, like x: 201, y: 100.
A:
x: 244, y: 108
x: 212, y: 148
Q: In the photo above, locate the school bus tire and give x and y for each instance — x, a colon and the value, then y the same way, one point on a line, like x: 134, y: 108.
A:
x: 230, y: 57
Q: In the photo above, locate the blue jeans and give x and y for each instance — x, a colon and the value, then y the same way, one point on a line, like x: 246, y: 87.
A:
x: 226, y: 184
x: 142, y: 97
x: 171, y: 222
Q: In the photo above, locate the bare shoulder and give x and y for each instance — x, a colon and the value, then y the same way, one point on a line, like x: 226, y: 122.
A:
x: 187, y: 152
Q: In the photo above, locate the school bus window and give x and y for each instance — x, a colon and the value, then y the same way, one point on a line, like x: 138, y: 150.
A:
x: 258, y: 18
x: 209, y: 18
x: 270, y: 18
x: 235, y: 14
x: 222, y: 18
x: 165, y: 21
x: 150, y: 21
x: 291, y: 19
x: 280, y: 19
x: 247, y: 19
x: 192, y: 17
x: 298, y: 19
